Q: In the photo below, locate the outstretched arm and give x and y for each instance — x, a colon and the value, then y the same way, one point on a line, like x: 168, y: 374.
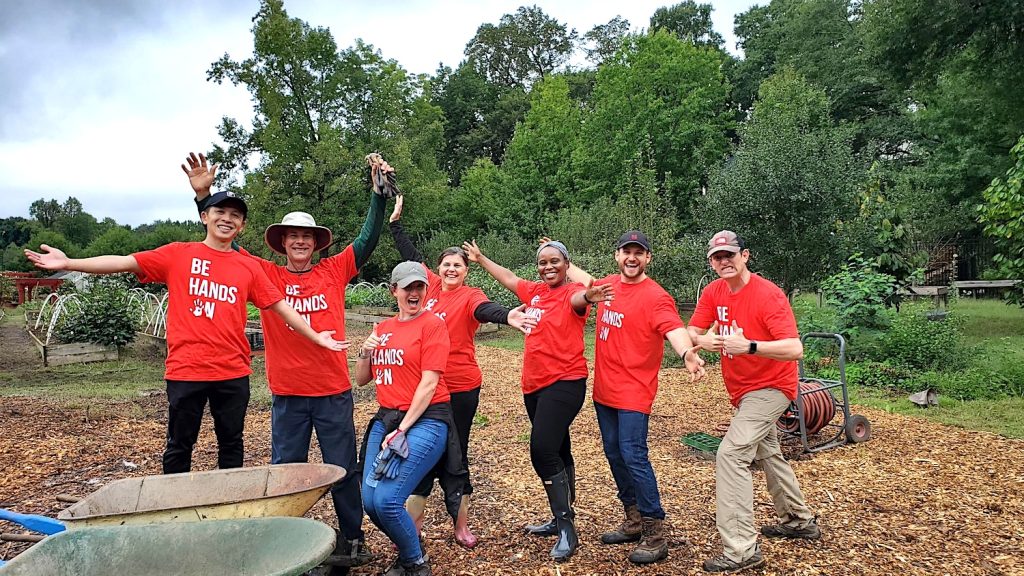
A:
x: 684, y: 346
x: 295, y: 321
x: 503, y: 275
x: 498, y: 314
x: 592, y: 295
x: 404, y: 244
x: 54, y: 259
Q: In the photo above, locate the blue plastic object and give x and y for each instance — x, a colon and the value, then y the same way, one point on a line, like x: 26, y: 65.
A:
x: 34, y: 522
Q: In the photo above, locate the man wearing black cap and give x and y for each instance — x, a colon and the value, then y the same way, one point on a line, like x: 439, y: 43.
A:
x: 207, y: 351
x: 631, y: 330
x: 748, y: 320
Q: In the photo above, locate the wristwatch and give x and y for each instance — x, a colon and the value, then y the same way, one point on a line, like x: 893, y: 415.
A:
x: 753, y: 348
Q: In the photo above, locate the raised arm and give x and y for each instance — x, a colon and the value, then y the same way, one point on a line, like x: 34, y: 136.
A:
x: 503, y: 275
x: 592, y: 295
x: 295, y: 321
x: 53, y: 259
x: 404, y: 244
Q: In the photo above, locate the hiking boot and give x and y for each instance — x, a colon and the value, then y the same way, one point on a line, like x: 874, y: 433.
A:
x: 652, y: 547
x: 726, y: 566
x: 349, y: 553
x: 809, y: 532
x: 628, y: 531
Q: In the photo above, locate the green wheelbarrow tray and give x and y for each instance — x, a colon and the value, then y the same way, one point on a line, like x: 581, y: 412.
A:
x: 251, y: 546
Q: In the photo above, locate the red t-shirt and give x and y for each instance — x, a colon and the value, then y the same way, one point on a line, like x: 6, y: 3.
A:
x: 553, y: 350
x: 630, y: 335
x: 406, y: 350
x: 206, y: 311
x: 763, y: 312
x: 296, y: 366
x: 456, y: 308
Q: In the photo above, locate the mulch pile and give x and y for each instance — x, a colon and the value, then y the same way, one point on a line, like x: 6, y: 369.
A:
x: 920, y: 498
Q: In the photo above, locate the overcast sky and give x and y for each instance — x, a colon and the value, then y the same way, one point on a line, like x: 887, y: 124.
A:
x: 102, y: 99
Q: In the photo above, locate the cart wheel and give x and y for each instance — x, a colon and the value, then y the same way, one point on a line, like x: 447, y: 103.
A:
x: 858, y: 429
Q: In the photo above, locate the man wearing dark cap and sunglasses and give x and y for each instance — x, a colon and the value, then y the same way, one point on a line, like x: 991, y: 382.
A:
x: 629, y: 348
x: 311, y: 390
x: 748, y: 320
x: 207, y: 351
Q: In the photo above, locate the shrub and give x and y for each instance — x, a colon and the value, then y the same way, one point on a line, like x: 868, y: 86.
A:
x: 366, y: 294
x: 922, y: 344
x: 105, y: 316
x: 859, y: 295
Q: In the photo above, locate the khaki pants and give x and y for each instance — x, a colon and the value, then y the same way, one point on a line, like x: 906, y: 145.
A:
x: 753, y: 436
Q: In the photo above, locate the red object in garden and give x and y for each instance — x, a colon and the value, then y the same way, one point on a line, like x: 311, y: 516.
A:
x: 26, y: 284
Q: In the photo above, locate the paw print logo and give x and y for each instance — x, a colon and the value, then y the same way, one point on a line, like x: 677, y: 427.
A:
x: 197, y: 309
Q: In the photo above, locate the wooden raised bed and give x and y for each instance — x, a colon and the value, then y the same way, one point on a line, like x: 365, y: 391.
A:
x: 73, y: 352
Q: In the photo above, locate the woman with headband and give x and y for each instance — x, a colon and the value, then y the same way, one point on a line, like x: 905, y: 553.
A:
x: 463, y: 308
x: 554, y: 378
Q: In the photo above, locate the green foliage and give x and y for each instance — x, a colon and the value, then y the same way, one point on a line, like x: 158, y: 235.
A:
x: 658, y: 93
x: 1002, y: 216
x: 365, y: 294
x: 604, y: 40
x: 524, y: 47
x: 115, y: 240
x: 689, y: 21
x: 792, y: 177
x: 493, y: 289
x: 859, y: 294
x: 105, y: 316
x: 920, y: 343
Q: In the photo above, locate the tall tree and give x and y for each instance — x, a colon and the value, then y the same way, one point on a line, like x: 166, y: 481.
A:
x: 662, y: 92
x: 1003, y: 217
x: 791, y: 179
x: 604, y: 40
x: 45, y: 212
x: 480, y: 117
x: 689, y: 21
x: 318, y: 112
x: 524, y: 47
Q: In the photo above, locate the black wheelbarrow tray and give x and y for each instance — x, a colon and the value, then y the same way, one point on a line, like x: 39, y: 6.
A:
x: 251, y: 546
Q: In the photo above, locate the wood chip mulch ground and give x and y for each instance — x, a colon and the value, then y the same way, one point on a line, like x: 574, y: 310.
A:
x: 919, y: 498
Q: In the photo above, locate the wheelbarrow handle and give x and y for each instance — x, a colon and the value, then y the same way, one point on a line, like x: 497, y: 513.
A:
x: 34, y: 522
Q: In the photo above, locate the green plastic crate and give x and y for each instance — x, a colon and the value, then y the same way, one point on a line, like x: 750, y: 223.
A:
x: 701, y: 442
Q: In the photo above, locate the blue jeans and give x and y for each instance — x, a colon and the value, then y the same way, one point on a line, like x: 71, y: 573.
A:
x: 624, y: 435
x: 292, y: 421
x: 385, y: 502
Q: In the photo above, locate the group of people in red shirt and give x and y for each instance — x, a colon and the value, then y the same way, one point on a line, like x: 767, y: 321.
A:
x: 423, y: 365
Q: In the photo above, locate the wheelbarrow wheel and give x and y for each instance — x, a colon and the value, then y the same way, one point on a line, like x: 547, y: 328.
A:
x: 858, y: 429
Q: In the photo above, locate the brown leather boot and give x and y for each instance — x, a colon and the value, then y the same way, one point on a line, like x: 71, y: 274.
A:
x: 652, y: 547
x: 628, y: 531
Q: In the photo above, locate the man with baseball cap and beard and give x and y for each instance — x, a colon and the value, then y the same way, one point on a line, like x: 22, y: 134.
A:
x: 630, y: 333
x: 312, y: 390
x: 748, y: 320
x: 207, y: 352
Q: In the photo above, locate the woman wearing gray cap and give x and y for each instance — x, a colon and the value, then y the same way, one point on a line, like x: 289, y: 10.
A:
x: 405, y: 357
x: 463, y: 308
x: 554, y: 376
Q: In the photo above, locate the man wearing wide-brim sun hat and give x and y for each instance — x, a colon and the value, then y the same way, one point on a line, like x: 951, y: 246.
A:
x: 312, y: 390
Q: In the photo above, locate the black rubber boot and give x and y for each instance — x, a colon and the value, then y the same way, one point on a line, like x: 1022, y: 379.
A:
x: 549, y: 528
x: 559, y: 497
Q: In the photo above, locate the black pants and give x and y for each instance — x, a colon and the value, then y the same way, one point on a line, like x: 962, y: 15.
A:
x: 186, y: 402
x: 552, y: 410
x: 464, y: 406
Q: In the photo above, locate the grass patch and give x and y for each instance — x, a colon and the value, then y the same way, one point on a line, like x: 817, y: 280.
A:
x: 1003, y: 416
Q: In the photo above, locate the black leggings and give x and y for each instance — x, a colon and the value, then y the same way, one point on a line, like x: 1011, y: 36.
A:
x: 552, y: 410
x: 464, y: 406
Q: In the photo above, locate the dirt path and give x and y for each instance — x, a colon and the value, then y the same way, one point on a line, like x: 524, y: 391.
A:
x: 920, y: 498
